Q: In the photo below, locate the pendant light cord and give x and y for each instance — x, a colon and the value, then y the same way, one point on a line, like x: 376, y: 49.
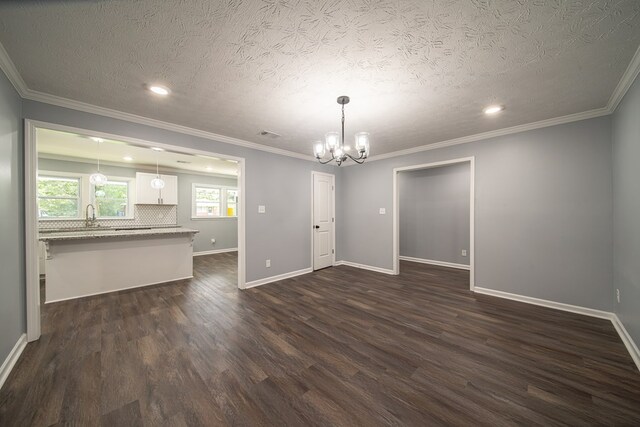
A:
x: 98, y: 142
x: 342, y: 143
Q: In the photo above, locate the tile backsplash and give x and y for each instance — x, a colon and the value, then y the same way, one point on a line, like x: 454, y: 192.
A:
x: 143, y: 215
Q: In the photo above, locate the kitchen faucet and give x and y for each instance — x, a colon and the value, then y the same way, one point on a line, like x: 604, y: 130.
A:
x: 90, y: 221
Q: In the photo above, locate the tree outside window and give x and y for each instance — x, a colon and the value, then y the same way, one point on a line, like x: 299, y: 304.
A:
x: 111, y: 199
x: 58, y: 197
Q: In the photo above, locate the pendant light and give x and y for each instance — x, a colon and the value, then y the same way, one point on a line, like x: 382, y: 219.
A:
x: 98, y: 178
x: 157, y: 183
x: 335, y: 145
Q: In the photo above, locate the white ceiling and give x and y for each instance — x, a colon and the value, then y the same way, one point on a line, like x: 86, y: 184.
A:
x: 56, y: 144
x: 418, y: 72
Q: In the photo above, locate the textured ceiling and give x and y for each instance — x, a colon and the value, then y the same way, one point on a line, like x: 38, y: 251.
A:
x: 417, y: 72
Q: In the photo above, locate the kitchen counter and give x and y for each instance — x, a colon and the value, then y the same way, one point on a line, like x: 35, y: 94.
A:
x: 99, y: 233
x: 93, y: 260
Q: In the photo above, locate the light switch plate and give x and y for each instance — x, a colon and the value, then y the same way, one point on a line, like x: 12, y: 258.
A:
x: 261, y: 209
x: 383, y: 211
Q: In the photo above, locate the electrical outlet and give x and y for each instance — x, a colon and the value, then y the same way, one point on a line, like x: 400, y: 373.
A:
x: 618, y: 295
x: 383, y: 211
x: 268, y: 263
x: 213, y: 241
x: 261, y: 209
x: 464, y: 252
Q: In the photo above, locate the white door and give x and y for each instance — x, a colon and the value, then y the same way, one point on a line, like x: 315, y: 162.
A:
x: 323, y: 220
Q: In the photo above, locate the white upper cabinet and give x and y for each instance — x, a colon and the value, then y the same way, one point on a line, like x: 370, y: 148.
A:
x: 145, y: 195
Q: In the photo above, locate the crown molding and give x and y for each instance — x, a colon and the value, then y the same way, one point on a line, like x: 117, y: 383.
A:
x: 120, y: 115
x: 10, y: 70
x: 625, y: 82
x: 14, y: 77
x: 494, y: 133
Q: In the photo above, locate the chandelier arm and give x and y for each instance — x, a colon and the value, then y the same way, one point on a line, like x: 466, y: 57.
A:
x: 359, y: 160
x: 324, y: 163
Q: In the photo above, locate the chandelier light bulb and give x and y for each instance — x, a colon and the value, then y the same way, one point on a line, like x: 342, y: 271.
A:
x: 332, y: 138
x: 319, y: 150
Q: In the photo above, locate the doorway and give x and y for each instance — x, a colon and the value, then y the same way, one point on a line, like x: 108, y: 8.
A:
x: 470, y: 252
x: 322, y: 220
x: 212, y: 191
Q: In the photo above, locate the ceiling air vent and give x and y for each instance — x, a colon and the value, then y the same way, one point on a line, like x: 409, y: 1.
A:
x: 183, y: 162
x: 270, y: 134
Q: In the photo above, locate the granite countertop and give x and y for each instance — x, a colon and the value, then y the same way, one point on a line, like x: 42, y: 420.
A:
x: 99, y: 233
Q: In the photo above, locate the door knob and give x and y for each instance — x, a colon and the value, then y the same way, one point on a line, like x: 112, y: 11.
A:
x: 317, y: 226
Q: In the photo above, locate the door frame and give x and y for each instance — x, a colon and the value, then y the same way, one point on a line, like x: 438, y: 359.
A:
x: 333, y: 215
x: 396, y: 214
x: 31, y: 218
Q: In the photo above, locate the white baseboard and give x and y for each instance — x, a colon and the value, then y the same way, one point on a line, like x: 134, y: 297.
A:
x: 546, y: 303
x: 434, y: 262
x: 283, y: 276
x: 364, y: 267
x: 12, y: 358
x: 215, y: 251
x: 632, y: 348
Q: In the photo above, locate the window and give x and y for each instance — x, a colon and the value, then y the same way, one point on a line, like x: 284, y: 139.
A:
x: 210, y: 201
x: 232, y: 202
x: 111, y: 199
x: 58, y: 197
x: 206, y: 202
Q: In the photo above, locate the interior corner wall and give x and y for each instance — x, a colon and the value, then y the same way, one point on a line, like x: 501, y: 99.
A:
x: 13, y: 316
x: 543, y: 211
x: 282, y: 184
x: 434, y: 213
x: 626, y: 210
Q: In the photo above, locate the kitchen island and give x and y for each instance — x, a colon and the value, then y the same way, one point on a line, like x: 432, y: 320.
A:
x: 91, y: 261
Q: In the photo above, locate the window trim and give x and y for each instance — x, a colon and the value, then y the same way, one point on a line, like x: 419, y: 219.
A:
x: 86, y: 195
x: 223, y: 201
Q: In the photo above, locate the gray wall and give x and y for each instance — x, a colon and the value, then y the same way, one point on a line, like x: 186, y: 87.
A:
x: 282, y: 184
x: 626, y: 210
x: 543, y: 209
x: 434, y: 213
x: 224, y: 230
x: 12, y: 276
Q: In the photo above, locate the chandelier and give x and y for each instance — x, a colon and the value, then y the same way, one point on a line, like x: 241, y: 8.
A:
x: 335, y: 145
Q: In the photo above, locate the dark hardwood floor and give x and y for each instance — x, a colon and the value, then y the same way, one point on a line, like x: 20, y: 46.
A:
x: 340, y: 346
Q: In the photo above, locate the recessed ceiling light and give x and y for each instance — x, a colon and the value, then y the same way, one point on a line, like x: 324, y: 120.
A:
x: 493, y: 109
x: 96, y: 139
x: 127, y: 158
x: 157, y: 149
x: 209, y: 168
x: 159, y: 90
